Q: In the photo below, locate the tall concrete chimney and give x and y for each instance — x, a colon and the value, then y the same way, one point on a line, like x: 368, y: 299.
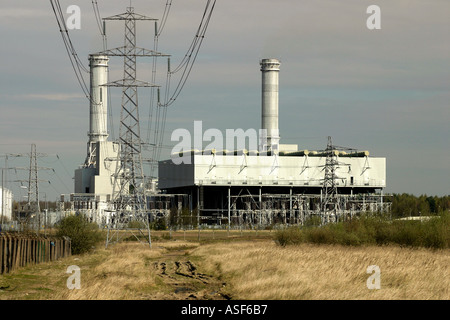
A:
x: 270, y: 69
x: 98, y: 106
x: 98, y: 129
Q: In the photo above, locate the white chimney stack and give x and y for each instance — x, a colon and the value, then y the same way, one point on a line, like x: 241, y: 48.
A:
x: 98, y: 106
x: 270, y: 69
x: 98, y: 129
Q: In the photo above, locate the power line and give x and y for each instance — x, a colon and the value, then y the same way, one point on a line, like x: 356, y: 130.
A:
x: 186, y: 65
x: 65, y: 169
x: 191, y: 55
x: 75, y: 61
x: 165, y: 16
x: 98, y: 18
x: 100, y: 24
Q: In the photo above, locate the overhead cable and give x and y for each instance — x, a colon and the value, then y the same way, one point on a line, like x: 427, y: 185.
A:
x: 75, y: 61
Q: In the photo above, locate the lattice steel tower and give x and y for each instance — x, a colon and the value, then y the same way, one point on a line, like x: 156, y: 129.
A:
x: 33, y: 207
x: 330, y: 201
x: 33, y: 183
x: 129, y: 191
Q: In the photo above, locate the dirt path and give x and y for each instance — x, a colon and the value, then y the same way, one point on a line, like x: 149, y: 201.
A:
x: 185, y: 281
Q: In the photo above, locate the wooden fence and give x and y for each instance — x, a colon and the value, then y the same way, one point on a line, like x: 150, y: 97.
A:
x: 19, y: 250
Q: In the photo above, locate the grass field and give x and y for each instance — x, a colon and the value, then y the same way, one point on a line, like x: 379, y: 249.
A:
x: 235, y: 265
x: 263, y: 270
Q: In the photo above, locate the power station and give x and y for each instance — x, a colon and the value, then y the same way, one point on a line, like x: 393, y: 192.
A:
x: 277, y: 183
x: 261, y: 183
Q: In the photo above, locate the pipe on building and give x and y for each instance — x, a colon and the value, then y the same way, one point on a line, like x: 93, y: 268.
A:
x: 356, y: 154
x: 295, y: 153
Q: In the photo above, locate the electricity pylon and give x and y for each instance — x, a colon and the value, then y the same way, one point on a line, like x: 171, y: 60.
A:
x: 129, y: 200
x: 330, y: 202
x: 33, y: 207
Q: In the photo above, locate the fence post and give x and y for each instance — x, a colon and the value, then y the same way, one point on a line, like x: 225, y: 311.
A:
x: 35, y: 250
x: 23, y: 248
x: 38, y: 240
x: 47, y: 250
x: 22, y: 251
x: 1, y: 253
x: 52, y: 249
x: 17, y: 251
x: 29, y: 251
x: 40, y: 250
x: 13, y: 252
x: 36, y: 244
x: 68, y: 246
x: 9, y: 252
x: 57, y: 249
x: 5, y: 254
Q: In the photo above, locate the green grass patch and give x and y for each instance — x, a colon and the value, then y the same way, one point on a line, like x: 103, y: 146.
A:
x: 373, y: 230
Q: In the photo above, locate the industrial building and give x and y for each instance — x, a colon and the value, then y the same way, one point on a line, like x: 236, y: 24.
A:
x: 256, y: 184
x: 272, y: 183
x: 276, y: 183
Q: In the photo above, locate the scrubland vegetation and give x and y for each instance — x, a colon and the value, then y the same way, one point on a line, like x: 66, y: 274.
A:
x: 264, y: 270
x: 431, y: 232
x: 293, y: 263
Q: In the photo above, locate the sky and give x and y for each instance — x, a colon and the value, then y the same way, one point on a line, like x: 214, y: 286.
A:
x: 384, y: 90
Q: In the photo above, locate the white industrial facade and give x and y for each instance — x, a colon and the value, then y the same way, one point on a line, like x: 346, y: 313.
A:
x: 264, y: 190
x: 6, y: 203
x: 274, y: 164
x: 98, y: 179
x: 250, y: 170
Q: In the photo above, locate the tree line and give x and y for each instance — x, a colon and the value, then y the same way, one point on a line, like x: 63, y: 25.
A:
x: 406, y: 205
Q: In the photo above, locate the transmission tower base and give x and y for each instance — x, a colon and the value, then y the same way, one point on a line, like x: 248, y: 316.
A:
x: 116, y: 235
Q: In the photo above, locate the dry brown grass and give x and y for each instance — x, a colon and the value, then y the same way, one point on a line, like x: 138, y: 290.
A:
x: 263, y: 270
x: 124, y: 273
x: 256, y: 270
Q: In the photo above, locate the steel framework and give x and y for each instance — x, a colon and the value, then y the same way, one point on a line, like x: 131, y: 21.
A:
x: 330, y: 201
x: 33, y: 185
x: 129, y: 190
x: 32, y: 207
